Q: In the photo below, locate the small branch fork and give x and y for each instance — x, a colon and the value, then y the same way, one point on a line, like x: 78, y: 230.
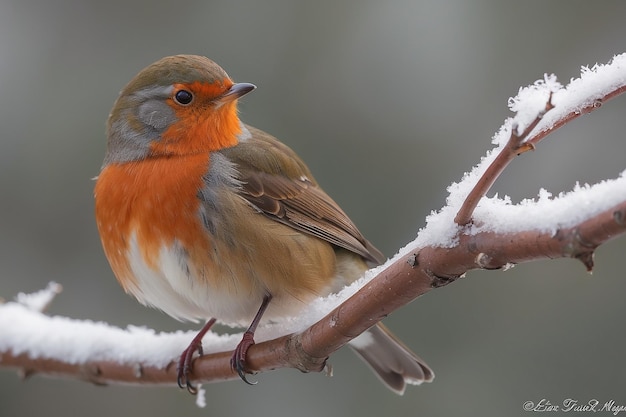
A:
x: 402, y: 281
x: 516, y: 145
x: 519, y: 144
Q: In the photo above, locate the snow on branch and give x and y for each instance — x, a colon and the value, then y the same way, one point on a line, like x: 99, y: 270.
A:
x: 539, y: 109
x: 470, y: 232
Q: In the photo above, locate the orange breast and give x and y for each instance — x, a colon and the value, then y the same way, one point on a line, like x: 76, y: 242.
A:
x: 156, y: 201
x: 148, y: 211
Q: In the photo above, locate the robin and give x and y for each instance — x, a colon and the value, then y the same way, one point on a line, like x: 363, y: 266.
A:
x: 204, y: 217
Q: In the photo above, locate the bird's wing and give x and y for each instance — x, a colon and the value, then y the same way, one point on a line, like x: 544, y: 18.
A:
x: 277, y: 183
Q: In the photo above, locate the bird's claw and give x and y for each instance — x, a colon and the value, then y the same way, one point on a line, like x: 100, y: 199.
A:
x: 238, y: 360
x: 185, y: 365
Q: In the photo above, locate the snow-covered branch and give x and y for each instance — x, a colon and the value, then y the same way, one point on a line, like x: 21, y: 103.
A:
x: 493, y: 234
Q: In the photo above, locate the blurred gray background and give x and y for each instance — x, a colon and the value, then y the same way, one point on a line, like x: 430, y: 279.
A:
x: 388, y: 102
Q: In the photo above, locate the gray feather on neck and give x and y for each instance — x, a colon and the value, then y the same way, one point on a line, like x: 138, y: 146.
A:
x: 135, y: 122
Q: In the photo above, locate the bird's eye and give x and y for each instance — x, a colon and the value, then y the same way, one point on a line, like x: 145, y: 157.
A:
x: 183, y: 97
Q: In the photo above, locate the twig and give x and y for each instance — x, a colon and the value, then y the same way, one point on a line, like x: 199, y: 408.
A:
x: 533, y: 140
x: 519, y: 144
x: 516, y: 145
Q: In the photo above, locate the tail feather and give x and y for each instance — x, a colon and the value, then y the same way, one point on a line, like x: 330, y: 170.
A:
x: 392, y: 361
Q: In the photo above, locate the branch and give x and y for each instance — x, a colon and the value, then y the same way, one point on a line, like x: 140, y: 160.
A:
x: 605, y: 85
x: 410, y: 275
x: 501, y: 234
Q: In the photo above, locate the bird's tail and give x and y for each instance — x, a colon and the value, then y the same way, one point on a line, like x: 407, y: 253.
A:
x: 393, y: 362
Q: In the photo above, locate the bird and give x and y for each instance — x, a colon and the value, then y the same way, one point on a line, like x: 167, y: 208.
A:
x: 207, y: 218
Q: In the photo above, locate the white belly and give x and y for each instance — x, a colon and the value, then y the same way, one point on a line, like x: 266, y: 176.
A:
x: 172, y: 288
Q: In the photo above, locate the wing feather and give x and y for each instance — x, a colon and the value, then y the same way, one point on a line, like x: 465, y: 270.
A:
x: 278, y: 184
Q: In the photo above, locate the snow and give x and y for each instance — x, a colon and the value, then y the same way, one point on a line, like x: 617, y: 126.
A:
x: 201, y: 397
x: 546, y: 213
x: 39, y: 300
x: 25, y: 329
x: 529, y: 101
x: 593, y: 84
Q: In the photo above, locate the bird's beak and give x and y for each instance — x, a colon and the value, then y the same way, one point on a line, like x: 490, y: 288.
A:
x: 236, y: 91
